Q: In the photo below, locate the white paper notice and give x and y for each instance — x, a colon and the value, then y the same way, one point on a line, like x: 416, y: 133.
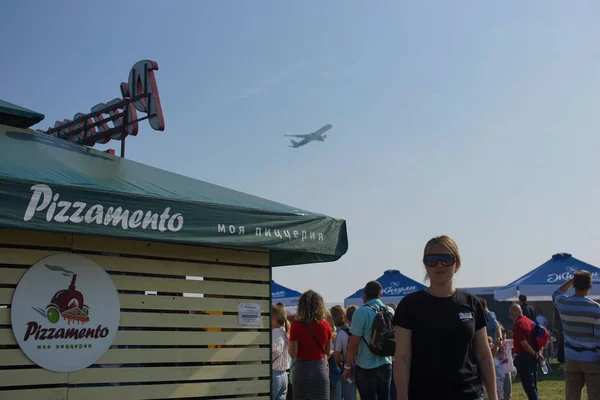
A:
x: 249, y: 314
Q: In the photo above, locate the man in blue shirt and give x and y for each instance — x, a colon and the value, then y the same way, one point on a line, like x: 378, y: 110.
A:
x: 373, y: 373
x: 493, y: 327
x: 580, y: 317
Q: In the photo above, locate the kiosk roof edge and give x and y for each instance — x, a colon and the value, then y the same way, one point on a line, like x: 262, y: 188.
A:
x: 58, y: 186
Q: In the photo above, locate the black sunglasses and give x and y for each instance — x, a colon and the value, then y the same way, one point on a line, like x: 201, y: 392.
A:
x: 447, y: 260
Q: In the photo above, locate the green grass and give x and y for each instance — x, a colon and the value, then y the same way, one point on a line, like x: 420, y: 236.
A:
x: 551, y: 386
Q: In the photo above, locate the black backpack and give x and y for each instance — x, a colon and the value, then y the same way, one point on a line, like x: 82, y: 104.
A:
x: 383, y: 341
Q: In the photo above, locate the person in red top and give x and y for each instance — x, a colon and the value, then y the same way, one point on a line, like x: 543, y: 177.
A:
x: 526, y: 359
x: 310, y: 345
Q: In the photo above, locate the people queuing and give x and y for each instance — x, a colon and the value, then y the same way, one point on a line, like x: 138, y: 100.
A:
x: 310, y: 344
x: 335, y: 372
x: 346, y: 388
x: 349, y: 383
x: 279, y: 349
x: 373, y: 372
x: 446, y: 343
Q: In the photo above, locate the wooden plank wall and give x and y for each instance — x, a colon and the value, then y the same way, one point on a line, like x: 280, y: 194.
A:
x: 165, y: 347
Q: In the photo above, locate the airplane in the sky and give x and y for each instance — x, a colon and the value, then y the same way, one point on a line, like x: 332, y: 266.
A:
x: 316, y: 135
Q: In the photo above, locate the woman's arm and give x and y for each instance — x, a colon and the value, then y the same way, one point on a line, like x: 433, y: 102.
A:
x: 328, y: 347
x: 293, y: 349
x: 498, y: 332
x: 402, y: 360
x: 277, y: 348
x: 337, y: 358
x: 485, y: 362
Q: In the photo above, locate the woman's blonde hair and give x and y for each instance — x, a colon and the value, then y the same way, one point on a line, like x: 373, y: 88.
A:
x: 339, y: 315
x: 448, y: 243
x: 311, y: 308
x: 278, y: 312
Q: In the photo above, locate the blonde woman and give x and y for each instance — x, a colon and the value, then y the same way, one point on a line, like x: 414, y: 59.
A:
x: 442, y: 350
x: 310, y: 345
x: 279, y: 352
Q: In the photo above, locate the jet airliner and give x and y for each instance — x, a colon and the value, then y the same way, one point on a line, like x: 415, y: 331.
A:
x: 316, y: 135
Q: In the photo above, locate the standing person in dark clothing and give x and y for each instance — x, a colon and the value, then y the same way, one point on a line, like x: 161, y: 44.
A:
x: 442, y: 349
x: 527, y: 309
x: 526, y: 358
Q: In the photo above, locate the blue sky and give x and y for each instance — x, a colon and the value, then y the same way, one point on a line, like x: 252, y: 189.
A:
x: 475, y: 120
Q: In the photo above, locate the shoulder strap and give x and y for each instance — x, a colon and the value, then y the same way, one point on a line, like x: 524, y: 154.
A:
x: 372, y: 307
x: 316, y: 341
x: 377, y: 311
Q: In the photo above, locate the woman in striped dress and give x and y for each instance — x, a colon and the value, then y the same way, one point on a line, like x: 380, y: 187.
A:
x: 310, y: 345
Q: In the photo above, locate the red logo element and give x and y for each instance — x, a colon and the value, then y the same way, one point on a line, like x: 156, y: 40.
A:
x: 119, y: 117
x: 69, y: 305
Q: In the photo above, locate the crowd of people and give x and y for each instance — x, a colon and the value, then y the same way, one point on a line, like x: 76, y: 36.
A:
x: 437, y: 343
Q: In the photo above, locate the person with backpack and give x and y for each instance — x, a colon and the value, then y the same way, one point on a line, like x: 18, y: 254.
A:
x: 373, y: 340
x: 527, y: 357
x: 340, y: 349
x: 442, y: 349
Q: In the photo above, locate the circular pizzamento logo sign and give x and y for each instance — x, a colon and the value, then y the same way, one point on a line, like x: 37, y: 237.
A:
x: 65, y: 312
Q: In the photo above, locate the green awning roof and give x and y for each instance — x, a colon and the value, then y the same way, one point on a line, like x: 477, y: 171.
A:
x: 50, y: 184
x: 14, y: 115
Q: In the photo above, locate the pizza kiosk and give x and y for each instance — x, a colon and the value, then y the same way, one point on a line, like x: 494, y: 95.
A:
x: 122, y: 281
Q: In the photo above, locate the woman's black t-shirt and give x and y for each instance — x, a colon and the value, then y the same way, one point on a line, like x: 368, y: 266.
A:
x: 443, y: 362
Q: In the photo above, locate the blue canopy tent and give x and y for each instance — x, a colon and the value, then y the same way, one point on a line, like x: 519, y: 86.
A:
x: 287, y: 296
x: 540, y: 283
x: 395, y: 287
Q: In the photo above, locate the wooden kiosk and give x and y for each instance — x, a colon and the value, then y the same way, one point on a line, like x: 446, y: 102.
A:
x: 150, y: 231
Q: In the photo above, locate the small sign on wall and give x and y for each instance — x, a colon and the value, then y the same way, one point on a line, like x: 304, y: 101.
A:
x: 65, y: 312
x: 249, y: 314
